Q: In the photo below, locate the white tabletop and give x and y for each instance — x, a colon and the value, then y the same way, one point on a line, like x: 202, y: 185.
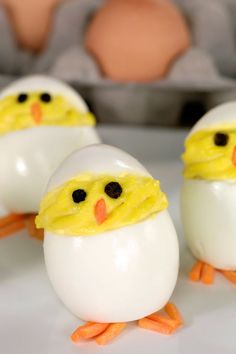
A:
x: 33, y: 321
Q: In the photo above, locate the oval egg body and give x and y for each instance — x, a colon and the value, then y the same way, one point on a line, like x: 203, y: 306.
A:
x: 208, y: 198
x: 41, y: 122
x: 115, y: 276
x: 208, y: 212
x: 119, y: 274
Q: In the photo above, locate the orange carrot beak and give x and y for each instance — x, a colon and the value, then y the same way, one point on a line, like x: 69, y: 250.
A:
x: 36, y: 112
x: 100, y: 211
x: 234, y: 156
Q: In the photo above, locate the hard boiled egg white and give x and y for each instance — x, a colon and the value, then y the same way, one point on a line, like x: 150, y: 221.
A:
x: 208, y: 210
x: 29, y: 156
x: 119, y: 275
x: 208, y: 200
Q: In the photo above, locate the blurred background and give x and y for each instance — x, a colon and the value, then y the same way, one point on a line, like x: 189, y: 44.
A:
x: 149, y: 62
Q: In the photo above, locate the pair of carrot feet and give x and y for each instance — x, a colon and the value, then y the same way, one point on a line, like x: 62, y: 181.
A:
x: 103, y: 333
x: 15, y: 222
x: 205, y: 273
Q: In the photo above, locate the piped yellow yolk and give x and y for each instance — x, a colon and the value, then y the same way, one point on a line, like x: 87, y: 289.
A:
x: 90, y: 204
x: 33, y: 109
x: 211, y: 154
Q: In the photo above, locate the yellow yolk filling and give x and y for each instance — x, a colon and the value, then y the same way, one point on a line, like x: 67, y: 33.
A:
x: 16, y: 115
x: 141, y: 198
x: 203, y: 159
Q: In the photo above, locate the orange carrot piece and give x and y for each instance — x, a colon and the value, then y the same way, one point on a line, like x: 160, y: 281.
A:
x: 174, y: 313
x: 234, y: 156
x: 89, y: 330
x: 39, y: 234
x: 12, y: 228
x: 10, y: 219
x: 110, y: 333
x: 31, y: 227
x: 159, y: 318
x: 100, y: 211
x: 207, y: 276
x: 30, y: 223
x: 155, y: 326
x: 36, y: 112
x: 195, y: 273
x: 230, y: 275
x: 75, y: 336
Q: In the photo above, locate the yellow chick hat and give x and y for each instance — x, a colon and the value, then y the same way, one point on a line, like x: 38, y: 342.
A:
x: 210, y: 147
x: 96, y: 189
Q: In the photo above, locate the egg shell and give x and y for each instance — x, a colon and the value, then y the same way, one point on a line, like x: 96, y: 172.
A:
x: 41, y: 83
x: 98, y: 159
x: 29, y: 157
x: 116, y: 276
x: 208, y: 213
x: 119, y: 275
x: 224, y: 114
x: 137, y: 40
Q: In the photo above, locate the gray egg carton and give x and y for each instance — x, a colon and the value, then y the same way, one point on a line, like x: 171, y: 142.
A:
x: 206, y: 72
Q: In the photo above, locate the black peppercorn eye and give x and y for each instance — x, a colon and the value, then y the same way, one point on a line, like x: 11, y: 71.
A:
x: 22, y: 97
x: 113, y: 190
x: 79, y: 195
x: 221, y: 139
x: 46, y: 97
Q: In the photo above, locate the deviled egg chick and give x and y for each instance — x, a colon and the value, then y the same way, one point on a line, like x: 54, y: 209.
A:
x: 42, y: 120
x: 209, y: 194
x: 110, y: 247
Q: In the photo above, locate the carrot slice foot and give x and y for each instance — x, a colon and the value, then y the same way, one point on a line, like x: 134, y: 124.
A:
x: 195, y: 273
x: 31, y: 227
x: 10, y: 219
x: 174, y: 313
x: 88, y: 331
x: 101, y: 332
x: 230, y: 275
x: 156, y: 326
x: 206, y: 273
x: 16, y: 222
x: 202, y: 272
x: 113, y: 330
x: 162, y: 324
x: 11, y: 224
x: 12, y: 228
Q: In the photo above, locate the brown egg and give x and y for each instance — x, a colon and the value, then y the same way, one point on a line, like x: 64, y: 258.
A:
x: 31, y: 21
x: 137, y: 40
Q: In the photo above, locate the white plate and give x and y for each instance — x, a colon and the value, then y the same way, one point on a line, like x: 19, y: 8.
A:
x: 33, y: 321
